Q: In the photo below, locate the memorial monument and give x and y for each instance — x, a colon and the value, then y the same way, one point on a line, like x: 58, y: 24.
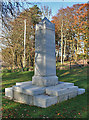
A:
x: 44, y: 90
x: 45, y: 60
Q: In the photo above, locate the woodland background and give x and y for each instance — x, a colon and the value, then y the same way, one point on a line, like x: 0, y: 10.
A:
x: 71, y: 33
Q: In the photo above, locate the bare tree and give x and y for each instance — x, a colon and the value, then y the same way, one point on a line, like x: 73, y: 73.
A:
x: 46, y: 11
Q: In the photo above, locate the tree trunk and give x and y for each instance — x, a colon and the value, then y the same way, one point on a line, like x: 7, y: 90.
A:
x: 73, y: 50
x: 70, y: 54
x: 64, y: 50
x: 13, y: 57
x: 32, y: 61
x: 24, y: 42
x: 62, y: 43
x: 16, y: 59
x: 70, y: 63
x: 77, y: 47
x: 28, y: 63
x: 21, y: 62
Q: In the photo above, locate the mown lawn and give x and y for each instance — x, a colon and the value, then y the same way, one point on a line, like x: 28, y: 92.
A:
x: 74, y: 108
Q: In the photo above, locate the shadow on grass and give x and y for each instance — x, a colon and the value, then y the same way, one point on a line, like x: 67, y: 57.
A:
x: 67, y: 109
x: 78, y: 76
x: 15, y: 75
x: 10, y: 79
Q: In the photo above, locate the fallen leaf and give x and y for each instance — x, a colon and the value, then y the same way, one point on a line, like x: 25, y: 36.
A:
x: 79, y: 113
x: 58, y: 113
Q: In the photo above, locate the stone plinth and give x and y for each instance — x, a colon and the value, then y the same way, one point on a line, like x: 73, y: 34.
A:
x: 45, y: 81
x: 45, y: 59
x: 30, y: 94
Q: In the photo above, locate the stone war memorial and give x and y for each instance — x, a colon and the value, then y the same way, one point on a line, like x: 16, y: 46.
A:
x: 44, y: 90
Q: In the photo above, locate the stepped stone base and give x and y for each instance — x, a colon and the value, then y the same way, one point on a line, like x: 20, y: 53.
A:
x: 26, y: 92
x: 44, y: 100
x: 9, y: 92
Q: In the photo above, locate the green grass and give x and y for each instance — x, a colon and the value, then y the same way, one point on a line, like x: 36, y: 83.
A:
x: 73, y: 108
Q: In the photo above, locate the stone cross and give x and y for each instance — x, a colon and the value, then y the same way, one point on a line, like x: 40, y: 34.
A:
x: 45, y: 59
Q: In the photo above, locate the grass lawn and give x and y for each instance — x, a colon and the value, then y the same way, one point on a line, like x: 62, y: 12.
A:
x: 73, y: 108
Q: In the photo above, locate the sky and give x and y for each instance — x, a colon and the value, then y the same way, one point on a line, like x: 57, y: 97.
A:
x: 55, y: 6
x: 59, y: 0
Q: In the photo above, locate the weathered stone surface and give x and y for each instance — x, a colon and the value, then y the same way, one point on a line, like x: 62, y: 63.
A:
x: 61, y: 85
x: 29, y: 90
x: 9, y: 92
x: 67, y: 96
x: 81, y: 91
x: 24, y: 83
x: 45, y: 62
x: 23, y: 98
x: 72, y: 94
x: 34, y: 95
x: 44, y: 100
x: 65, y: 83
x: 45, y: 59
x: 62, y: 97
x: 60, y: 89
x: 45, y: 81
x: 45, y: 24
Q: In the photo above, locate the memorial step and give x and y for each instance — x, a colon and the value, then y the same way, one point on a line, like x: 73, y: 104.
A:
x: 44, y: 100
x: 29, y: 89
x: 9, y: 92
x: 61, y: 85
x: 81, y: 91
x: 24, y: 83
x: 43, y: 96
x: 59, y: 90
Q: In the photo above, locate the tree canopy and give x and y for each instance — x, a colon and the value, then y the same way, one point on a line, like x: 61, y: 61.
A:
x: 14, y: 39
x: 71, y: 31
x: 75, y: 28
